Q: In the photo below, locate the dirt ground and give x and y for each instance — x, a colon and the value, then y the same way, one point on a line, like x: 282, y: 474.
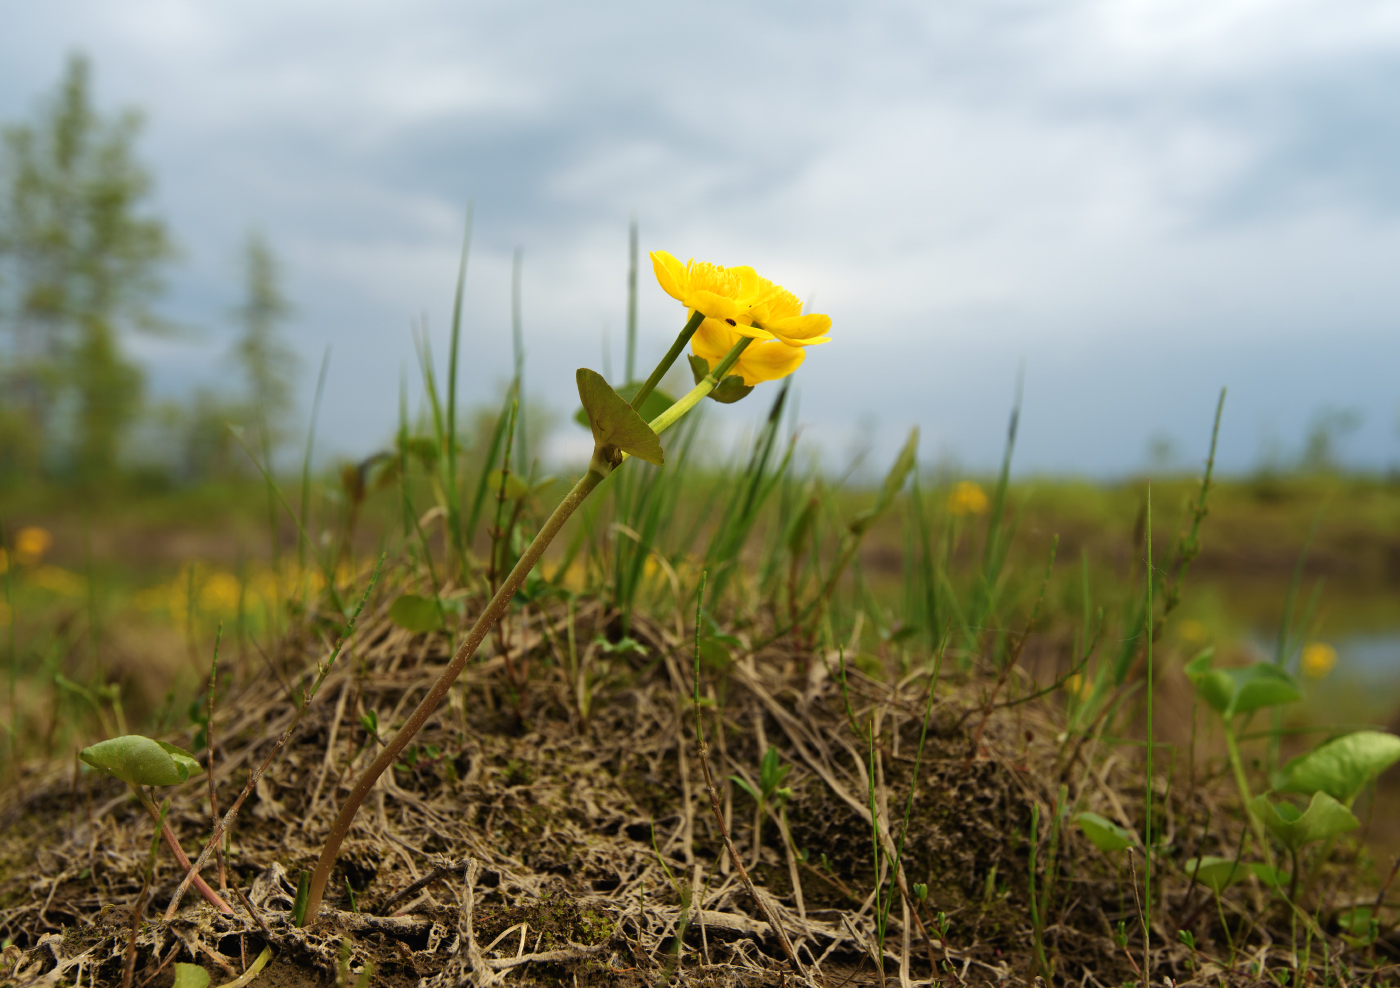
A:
x: 554, y: 826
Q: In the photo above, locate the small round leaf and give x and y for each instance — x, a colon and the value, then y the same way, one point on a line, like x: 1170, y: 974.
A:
x: 139, y: 761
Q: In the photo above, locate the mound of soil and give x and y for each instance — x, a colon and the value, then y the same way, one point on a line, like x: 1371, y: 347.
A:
x: 551, y: 826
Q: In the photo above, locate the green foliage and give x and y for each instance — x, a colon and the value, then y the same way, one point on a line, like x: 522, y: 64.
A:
x: 613, y: 421
x: 1231, y: 692
x: 190, y: 976
x: 1220, y: 873
x: 139, y: 761
x: 1343, y: 767
x: 416, y: 614
x: 728, y: 391
x: 1324, y: 817
x: 1103, y: 833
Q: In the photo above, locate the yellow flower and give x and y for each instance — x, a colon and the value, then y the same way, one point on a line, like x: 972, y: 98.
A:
x: 967, y: 499
x: 31, y: 543
x: 736, y: 303
x: 59, y: 581
x: 1078, y: 686
x: 762, y: 360
x: 779, y: 312
x: 720, y: 293
x: 1194, y: 632
x: 1318, y: 659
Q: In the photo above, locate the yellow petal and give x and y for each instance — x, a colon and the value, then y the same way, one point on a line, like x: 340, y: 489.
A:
x: 800, y: 330
x: 713, y: 340
x: 715, y: 306
x: 769, y: 361
x: 670, y: 274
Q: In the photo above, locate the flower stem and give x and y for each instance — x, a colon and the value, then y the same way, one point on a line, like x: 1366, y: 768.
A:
x: 696, y: 318
x: 597, y: 471
x: 692, y: 398
x: 1237, y: 767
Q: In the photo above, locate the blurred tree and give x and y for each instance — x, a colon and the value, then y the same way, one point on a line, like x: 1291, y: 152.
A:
x: 269, y: 364
x: 1328, y: 428
x: 82, y: 264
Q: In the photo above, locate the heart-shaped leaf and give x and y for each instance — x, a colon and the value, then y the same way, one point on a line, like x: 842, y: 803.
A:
x: 190, y: 976
x: 652, y: 405
x: 1217, y: 874
x: 416, y: 614
x: 139, y: 761
x: 613, y: 421
x: 1103, y: 833
x: 1343, y: 767
x: 726, y: 392
x: 730, y: 390
x: 1238, y: 691
x: 1324, y: 817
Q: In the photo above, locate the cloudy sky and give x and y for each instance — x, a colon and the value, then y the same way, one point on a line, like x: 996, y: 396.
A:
x: 1137, y: 202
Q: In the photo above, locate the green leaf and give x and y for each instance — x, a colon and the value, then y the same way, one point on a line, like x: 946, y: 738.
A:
x: 746, y: 787
x: 181, y: 757
x: 1217, y: 874
x: 1361, y: 928
x: 515, y: 487
x: 139, y: 761
x: 613, y: 421
x: 416, y: 614
x: 1343, y: 767
x: 1238, y: 691
x: 771, y: 771
x: 254, y: 969
x: 1103, y: 833
x: 656, y: 403
x: 191, y: 976
x: 1324, y: 817
x: 1271, y: 877
x: 715, y: 654
x: 699, y: 367
x: 730, y: 390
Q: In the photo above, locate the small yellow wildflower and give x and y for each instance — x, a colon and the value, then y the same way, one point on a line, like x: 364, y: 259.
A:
x: 31, y: 543
x: 968, y: 499
x: 220, y: 593
x: 1194, y: 632
x: 1079, y: 686
x: 1318, y: 659
x: 59, y: 581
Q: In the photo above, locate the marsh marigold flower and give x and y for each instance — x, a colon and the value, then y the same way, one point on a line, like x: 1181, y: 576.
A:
x: 31, y: 543
x: 1318, y: 659
x: 967, y: 498
x: 736, y: 303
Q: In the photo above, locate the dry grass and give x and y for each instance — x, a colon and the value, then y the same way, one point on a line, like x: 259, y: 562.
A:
x: 544, y: 833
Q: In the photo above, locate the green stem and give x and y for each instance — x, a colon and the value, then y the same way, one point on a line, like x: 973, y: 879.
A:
x: 692, y: 398
x: 1237, y: 767
x: 651, y: 382
x: 598, y: 469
